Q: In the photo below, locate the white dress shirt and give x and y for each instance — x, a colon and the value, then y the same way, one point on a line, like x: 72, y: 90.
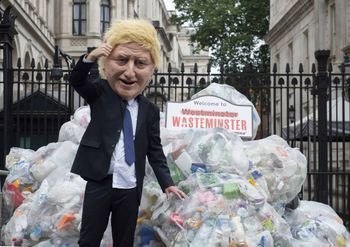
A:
x: 124, y: 176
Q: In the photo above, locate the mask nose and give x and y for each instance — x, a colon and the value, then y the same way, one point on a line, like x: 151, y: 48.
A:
x: 130, y: 70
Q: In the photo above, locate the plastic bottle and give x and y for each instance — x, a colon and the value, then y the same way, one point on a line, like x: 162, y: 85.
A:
x: 36, y: 233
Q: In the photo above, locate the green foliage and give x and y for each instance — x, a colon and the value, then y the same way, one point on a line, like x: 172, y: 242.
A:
x: 232, y: 29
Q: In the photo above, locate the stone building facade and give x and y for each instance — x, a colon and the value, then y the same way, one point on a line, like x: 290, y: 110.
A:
x: 75, y: 25
x: 297, y: 29
x: 300, y: 27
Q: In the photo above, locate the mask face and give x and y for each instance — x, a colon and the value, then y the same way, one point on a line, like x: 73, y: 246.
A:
x: 128, y: 69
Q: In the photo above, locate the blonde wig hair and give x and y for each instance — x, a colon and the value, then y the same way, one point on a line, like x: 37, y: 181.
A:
x: 132, y: 31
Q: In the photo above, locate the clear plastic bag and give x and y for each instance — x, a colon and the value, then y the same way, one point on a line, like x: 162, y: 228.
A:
x: 282, y: 168
x: 314, y: 222
x: 71, y: 131
x: 82, y: 116
x: 18, y: 184
x: 16, y: 155
x: 62, y: 156
x: 213, y: 150
x: 221, y: 210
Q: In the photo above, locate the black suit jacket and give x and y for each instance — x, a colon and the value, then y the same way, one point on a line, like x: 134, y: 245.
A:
x: 96, y: 147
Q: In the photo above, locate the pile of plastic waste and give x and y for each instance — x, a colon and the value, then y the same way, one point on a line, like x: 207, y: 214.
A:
x: 45, y: 198
x: 238, y: 192
x: 245, y: 204
x: 315, y: 224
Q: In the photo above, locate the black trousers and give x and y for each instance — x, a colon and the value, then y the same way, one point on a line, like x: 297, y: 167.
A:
x: 100, y: 200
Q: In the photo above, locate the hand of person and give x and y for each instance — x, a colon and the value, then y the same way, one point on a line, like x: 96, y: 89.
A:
x: 103, y: 50
x: 173, y: 189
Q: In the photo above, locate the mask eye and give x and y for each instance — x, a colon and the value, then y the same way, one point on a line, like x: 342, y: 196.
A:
x: 121, y: 60
x: 141, y: 63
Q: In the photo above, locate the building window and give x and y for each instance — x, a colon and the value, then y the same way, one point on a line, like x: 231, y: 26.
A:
x: 105, y: 15
x: 79, y: 17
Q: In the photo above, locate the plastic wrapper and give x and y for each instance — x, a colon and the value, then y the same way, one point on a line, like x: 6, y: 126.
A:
x: 152, y: 196
x: 317, y: 223
x: 16, y: 155
x: 19, y: 183
x: 70, y: 131
x: 62, y: 156
x: 146, y: 235
x: 218, y: 149
x: 221, y: 210
x: 173, y: 137
x: 51, y: 212
x: 13, y: 232
x: 280, y: 168
x: 48, y: 199
x: 46, y: 196
x: 212, y: 150
x: 74, y: 129
x: 27, y: 184
x: 230, y: 94
x: 82, y: 117
x: 21, y: 229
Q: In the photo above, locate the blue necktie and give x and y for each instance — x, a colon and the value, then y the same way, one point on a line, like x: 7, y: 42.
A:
x: 128, y: 138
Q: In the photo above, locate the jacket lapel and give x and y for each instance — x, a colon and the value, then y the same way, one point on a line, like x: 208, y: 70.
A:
x: 141, y: 116
x: 114, y: 100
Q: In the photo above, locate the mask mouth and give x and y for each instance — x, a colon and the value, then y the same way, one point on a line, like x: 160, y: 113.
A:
x: 127, y: 82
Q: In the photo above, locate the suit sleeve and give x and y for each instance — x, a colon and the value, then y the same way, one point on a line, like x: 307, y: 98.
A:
x: 156, y: 155
x: 79, y: 81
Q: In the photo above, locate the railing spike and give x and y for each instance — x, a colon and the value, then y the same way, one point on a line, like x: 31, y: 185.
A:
x: 342, y: 68
x: 19, y: 64
x: 313, y: 68
x: 274, y: 68
x: 301, y: 69
x: 32, y: 64
x: 169, y: 67
x: 287, y: 68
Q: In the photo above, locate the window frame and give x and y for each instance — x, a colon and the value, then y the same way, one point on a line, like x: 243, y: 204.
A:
x: 81, y: 6
x: 105, y: 22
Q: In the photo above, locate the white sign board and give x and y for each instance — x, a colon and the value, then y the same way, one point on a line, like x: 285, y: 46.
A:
x: 208, y: 112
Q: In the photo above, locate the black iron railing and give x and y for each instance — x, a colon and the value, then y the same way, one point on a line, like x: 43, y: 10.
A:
x: 310, y: 110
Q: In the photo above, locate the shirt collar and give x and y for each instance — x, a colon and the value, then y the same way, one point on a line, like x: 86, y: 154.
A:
x: 131, y: 102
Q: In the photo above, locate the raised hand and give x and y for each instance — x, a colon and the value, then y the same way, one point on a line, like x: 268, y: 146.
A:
x: 103, y: 50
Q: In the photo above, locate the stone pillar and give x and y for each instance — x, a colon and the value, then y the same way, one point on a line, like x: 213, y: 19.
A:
x: 131, y: 5
x: 93, y: 18
x: 319, y: 11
